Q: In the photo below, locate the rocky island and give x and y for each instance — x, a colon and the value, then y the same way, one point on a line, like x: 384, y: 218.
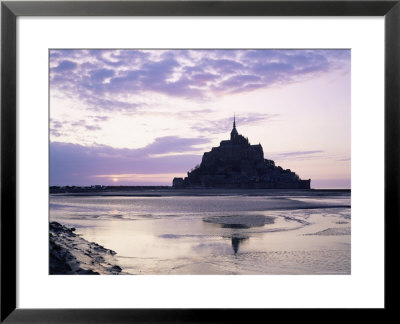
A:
x: 235, y: 163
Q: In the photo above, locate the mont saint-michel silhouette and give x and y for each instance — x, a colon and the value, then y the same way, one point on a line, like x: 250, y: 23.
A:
x: 235, y: 163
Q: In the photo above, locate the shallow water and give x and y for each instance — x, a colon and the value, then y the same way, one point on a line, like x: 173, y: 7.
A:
x: 231, y: 234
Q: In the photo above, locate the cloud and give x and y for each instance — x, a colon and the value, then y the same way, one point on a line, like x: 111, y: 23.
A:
x: 99, y: 118
x: 55, y: 133
x: 101, y: 74
x: 299, y: 153
x: 202, y: 78
x: 296, y: 155
x: 237, y: 82
x: 64, y: 66
x: 223, y: 66
x: 92, y: 127
x: 222, y: 125
x: 82, y: 123
x: 57, y: 128
x: 95, y: 76
x: 56, y: 123
x: 73, y: 162
x: 173, y: 144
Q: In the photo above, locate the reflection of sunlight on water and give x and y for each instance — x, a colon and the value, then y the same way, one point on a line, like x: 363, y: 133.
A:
x: 325, y: 200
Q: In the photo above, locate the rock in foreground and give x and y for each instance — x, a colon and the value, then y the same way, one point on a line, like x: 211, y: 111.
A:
x: 71, y: 254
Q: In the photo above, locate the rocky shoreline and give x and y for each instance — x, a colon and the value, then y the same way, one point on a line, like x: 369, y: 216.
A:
x: 72, y: 254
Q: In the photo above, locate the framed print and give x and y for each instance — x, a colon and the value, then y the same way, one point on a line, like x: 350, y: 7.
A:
x: 205, y: 158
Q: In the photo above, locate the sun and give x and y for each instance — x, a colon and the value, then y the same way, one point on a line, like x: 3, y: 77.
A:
x: 114, y: 179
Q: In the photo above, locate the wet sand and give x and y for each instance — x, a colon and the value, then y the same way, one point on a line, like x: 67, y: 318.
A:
x: 245, y: 232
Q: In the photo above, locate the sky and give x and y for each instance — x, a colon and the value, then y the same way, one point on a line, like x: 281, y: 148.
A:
x: 143, y: 117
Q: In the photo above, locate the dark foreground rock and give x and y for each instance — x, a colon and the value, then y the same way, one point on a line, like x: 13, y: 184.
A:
x: 71, y: 254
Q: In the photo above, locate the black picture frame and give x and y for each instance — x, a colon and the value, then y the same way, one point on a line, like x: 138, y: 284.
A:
x: 10, y: 10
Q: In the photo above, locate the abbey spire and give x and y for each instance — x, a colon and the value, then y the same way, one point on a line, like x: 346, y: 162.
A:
x: 234, y: 131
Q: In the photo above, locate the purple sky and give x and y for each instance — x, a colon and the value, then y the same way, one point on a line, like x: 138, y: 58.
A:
x: 129, y: 117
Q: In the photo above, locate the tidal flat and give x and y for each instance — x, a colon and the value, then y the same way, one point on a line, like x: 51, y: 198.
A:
x: 215, y: 231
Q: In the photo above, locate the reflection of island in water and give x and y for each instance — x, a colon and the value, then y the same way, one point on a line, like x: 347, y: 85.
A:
x: 236, y: 242
x: 239, y: 222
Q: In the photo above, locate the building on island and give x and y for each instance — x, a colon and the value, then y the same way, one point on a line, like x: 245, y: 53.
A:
x: 235, y: 163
